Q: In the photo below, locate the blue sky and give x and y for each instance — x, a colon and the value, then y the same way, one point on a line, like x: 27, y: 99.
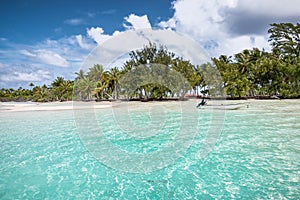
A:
x: 43, y: 39
x: 30, y: 21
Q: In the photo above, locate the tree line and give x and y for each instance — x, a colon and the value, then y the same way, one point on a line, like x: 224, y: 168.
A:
x: 156, y: 73
x: 255, y: 72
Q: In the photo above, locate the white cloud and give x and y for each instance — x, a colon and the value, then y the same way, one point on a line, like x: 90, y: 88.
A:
x: 171, y: 23
x: 116, y: 33
x: 47, y: 57
x: 234, y: 45
x: 137, y: 22
x: 39, y: 75
x: 64, y: 53
x: 74, y: 22
x: 228, y: 26
x: 97, y: 34
x: 200, y: 20
x: 82, y: 43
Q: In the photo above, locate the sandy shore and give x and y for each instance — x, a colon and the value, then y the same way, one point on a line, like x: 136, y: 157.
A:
x: 52, y: 106
x: 69, y: 105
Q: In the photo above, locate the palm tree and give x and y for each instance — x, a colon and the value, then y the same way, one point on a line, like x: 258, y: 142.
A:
x: 31, y: 84
x: 80, y: 75
x: 114, y: 77
x: 95, y: 73
x: 85, y: 87
x: 58, y: 81
x: 101, y: 87
x: 67, y: 87
x: 57, y: 87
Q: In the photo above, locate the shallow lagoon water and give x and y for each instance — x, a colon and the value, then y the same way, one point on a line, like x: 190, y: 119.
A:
x: 256, y: 156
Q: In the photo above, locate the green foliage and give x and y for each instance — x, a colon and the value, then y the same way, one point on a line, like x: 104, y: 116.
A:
x: 285, y: 39
x: 155, y: 73
x: 254, y: 72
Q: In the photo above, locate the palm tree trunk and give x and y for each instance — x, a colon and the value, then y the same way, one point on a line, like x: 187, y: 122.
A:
x: 115, y: 91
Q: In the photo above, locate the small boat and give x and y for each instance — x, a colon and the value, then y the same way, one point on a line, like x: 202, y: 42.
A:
x: 223, y: 106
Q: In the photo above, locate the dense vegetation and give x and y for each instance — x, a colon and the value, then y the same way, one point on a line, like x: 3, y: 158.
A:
x: 256, y: 72
x: 250, y: 73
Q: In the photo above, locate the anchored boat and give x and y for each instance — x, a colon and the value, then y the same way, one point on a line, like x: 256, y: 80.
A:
x: 223, y: 106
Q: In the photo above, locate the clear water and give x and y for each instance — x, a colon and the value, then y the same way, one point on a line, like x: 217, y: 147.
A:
x: 257, y: 156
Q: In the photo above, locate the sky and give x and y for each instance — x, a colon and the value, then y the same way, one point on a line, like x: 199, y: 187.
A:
x: 43, y: 39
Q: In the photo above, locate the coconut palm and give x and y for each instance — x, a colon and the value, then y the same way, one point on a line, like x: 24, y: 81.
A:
x: 85, y: 87
x: 80, y: 75
x: 114, y: 77
x: 66, y: 89
x: 95, y: 73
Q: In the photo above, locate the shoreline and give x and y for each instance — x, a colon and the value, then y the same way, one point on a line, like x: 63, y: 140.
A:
x: 48, y: 106
x: 70, y: 105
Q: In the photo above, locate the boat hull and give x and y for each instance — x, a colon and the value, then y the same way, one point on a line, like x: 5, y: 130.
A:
x: 223, y: 106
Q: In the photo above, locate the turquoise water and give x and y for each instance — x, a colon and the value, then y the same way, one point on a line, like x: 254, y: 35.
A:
x: 256, y: 156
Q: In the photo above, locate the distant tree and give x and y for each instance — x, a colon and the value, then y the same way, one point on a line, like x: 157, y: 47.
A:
x: 31, y: 85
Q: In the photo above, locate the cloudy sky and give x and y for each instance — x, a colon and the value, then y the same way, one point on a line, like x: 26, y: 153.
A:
x: 43, y: 39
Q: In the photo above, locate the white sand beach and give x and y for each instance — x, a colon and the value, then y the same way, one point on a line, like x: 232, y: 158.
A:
x: 52, y: 106
x: 69, y: 105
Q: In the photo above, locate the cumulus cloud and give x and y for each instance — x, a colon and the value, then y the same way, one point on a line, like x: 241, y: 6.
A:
x: 229, y: 26
x: 47, y: 57
x: 132, y: 22
x: 199, y: 18
x: 232, y: 45
x: 82, y: 43
x: 170, y: 24
x: 136, y: 22
x: 97, y: 34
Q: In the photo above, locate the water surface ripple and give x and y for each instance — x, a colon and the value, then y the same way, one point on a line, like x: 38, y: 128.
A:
x: 256, y: 157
